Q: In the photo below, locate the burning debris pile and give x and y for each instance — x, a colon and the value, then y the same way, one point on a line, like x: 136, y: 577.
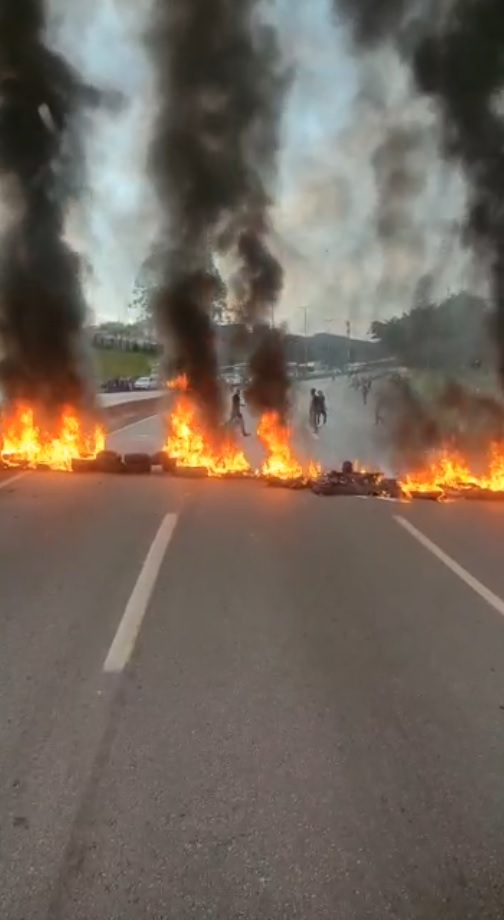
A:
x: 449, y: 476
x: 31, y: 440
x: 63, y: 441
x: 350, y: 480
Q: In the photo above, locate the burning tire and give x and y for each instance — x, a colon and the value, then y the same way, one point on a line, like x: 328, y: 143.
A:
x: 483, y: 495
x: 139, y: 464
x: 15, y: 460
x: 167, y: 463
x: 432, y: 496
x: 108, y: 461
x: 390, y: 488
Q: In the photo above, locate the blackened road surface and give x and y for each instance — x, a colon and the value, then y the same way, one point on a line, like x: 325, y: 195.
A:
x: 311, y: 723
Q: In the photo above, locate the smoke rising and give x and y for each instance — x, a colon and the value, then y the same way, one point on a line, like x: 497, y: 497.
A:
x: 463, y: 69
x: 268, y: 389
x: 466, y: 420
x: 214, y: 139
x: 456, y: 60
x: 114, y: 224
x: 398, y: 182
x: 374, y: 22
x: 42, y: 308
x: 340, y: 111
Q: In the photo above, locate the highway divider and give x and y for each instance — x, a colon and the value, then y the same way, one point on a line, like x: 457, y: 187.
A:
x: 122, y: 409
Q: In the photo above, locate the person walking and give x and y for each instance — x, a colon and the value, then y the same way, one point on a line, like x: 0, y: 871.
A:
x: 236, y: 413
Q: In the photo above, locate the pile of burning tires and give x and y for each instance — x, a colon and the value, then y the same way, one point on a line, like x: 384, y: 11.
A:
x: 348, y: 481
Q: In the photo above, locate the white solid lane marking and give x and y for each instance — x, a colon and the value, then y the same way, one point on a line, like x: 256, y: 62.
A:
x: 124, y: 640
x: 492, y: 599
x: 8, y: 482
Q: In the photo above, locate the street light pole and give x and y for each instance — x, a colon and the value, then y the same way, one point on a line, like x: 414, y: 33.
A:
x: 305, y: 311
x: 349, y: 337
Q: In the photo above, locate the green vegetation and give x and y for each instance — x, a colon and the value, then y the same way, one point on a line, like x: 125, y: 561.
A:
x: 451, y: 337
x: 111, y: 363
x: 431, y: 384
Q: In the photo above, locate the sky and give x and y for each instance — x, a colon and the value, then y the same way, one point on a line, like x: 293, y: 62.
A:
x: 346, y: 123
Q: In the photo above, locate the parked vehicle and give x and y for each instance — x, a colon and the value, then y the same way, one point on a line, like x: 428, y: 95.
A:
x: 143, y: 383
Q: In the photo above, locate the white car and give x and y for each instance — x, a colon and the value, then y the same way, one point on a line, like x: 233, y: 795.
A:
x: 143, y: 383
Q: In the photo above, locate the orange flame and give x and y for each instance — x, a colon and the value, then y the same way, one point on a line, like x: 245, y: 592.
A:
x: 450, y: 471
x: 25, y: 441
x: 179, y: 383
x: 281, y: 462
x: 190, y: 446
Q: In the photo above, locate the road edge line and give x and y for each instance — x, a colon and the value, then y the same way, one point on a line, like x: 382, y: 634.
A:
x: 125, y: 638
x: 493, y: 600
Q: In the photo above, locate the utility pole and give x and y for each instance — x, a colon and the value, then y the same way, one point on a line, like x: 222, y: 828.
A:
x: 349, y: 337
x: 305, y: 311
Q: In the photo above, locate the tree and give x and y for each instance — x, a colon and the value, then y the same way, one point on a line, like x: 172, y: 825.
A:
x: 451, y: 334
x: 148, y: 280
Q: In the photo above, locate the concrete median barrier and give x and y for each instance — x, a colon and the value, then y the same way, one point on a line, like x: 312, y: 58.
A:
x: 120, y: 414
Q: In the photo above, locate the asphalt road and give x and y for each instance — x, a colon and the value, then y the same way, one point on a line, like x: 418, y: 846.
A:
x: 220, y: 700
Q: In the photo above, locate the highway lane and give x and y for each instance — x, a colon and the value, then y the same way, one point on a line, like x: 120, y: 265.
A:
x: 310, y: 725
x: 69, y: 551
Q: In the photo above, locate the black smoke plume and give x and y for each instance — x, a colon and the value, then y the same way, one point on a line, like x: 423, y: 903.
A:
x: 464, y: 420
x: 399, y: 183
x: 42, y: 309
x: 268, y: 390
x: 457, y: 59
x: 463, y: 69
x: 373, y: 21
x: 218, y: 101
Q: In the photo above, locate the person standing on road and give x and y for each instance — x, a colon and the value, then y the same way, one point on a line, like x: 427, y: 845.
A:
x: 321, y: 408
x: 236, y: 413
x: 313, y: 412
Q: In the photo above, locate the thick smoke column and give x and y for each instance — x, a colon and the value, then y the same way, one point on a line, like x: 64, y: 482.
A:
x: 218, y: 102
x: 464, y: 69
x: 464, y: 419
x: 373, y: 21
x: 268, y: 389
x: 457, y: 59
x: 42, y: 310
x: 399, y: 181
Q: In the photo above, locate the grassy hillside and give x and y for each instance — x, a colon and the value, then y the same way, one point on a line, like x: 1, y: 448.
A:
x: 110, y: 363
